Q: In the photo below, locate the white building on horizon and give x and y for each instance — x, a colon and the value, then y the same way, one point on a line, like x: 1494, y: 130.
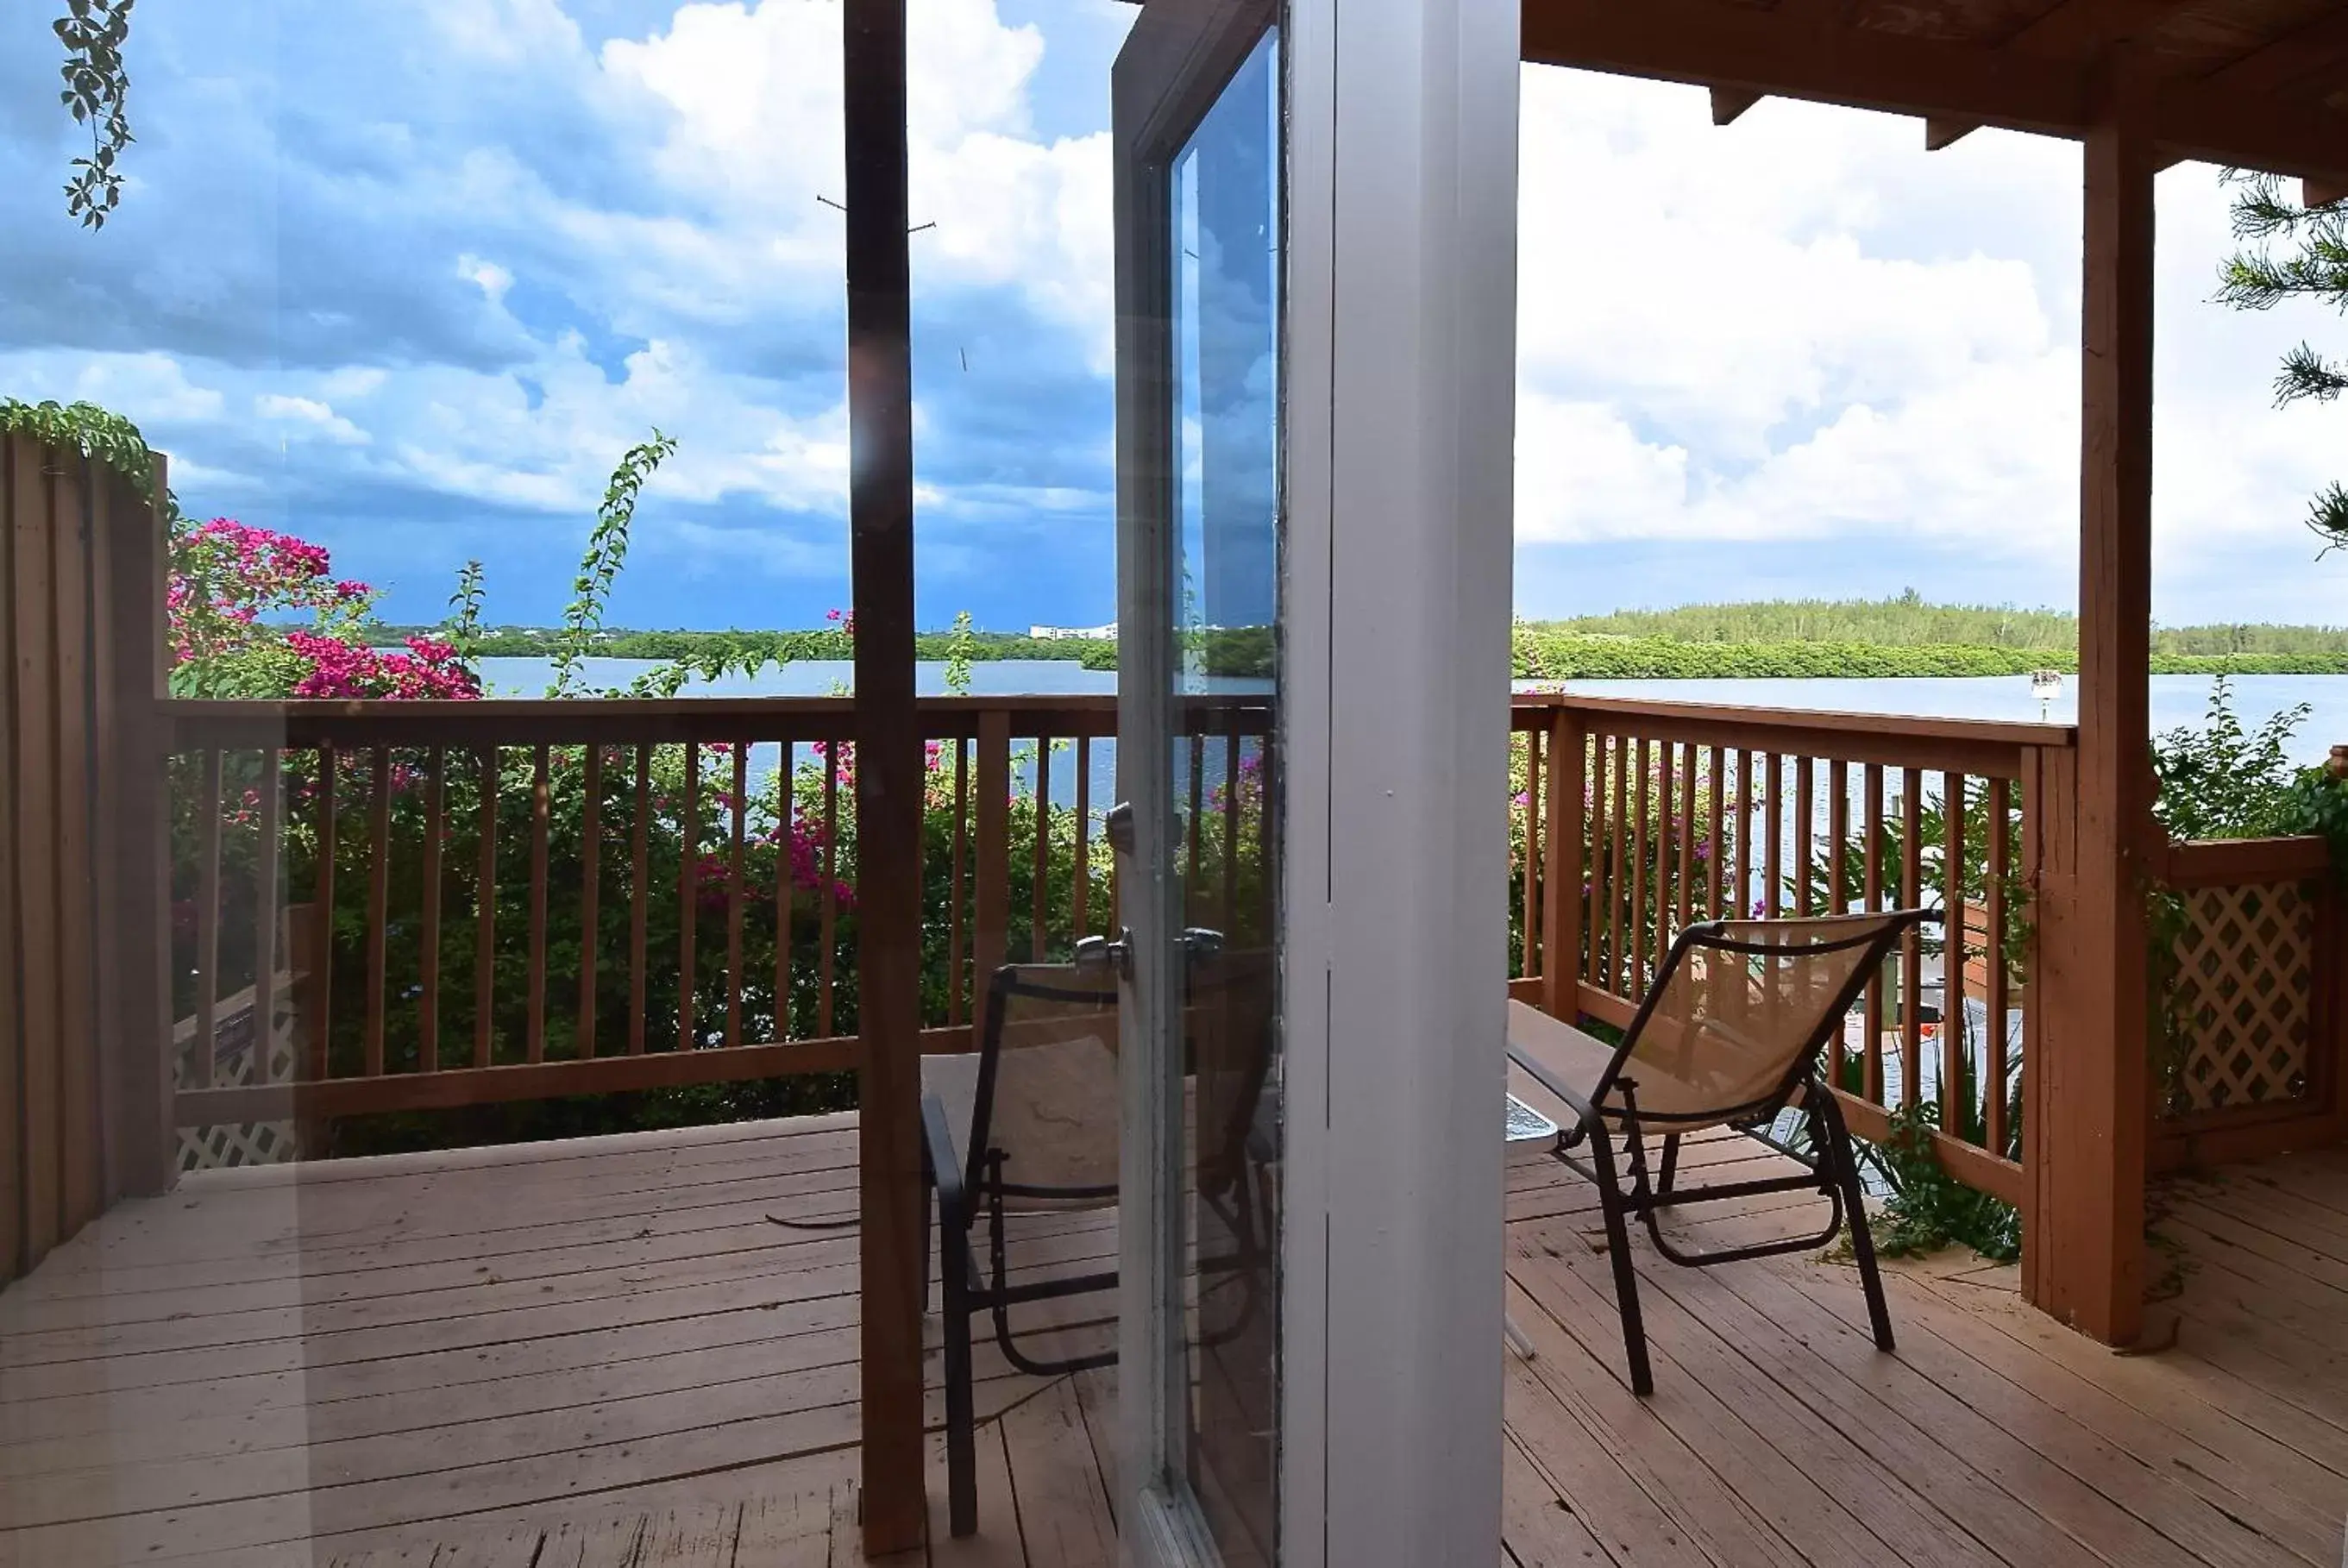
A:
x: 1069, y: 633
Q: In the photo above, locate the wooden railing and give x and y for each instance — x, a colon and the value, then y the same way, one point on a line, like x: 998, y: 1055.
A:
x: 1634, y: 818
x: 523, y: 900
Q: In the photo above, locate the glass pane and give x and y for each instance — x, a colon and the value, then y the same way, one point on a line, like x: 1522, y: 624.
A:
x: 1225, y: 584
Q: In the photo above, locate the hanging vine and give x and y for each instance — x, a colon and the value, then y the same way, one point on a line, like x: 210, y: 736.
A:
x: 97, y: 93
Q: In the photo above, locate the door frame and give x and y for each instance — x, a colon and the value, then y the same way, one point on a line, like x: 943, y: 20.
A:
x: 1399, y: 389
x: 1170, y: 73
x: 1399, y: 375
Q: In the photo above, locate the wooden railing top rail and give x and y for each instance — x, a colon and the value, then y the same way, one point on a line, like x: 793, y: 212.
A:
x: 2232, y: 862
x: 1987, y: 748
x: 195, y: 723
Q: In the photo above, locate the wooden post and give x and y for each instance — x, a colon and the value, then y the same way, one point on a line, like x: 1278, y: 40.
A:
x: 2088, y: 1127
x: 1563, y: 876
x: 888, y: 771
x: 134, y: 1018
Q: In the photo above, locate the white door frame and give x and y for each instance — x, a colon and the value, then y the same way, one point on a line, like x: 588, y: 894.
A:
x: 1171, y: 72
x: 1399, y: 475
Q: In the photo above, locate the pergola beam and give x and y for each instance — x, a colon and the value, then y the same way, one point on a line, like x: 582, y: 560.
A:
x: 1792, y: 55
x: 1727, y: 103
x: 2074, y: 31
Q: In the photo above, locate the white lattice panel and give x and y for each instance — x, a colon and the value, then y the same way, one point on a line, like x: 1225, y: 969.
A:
x: 2244, y: 991
x: 235, y: 1064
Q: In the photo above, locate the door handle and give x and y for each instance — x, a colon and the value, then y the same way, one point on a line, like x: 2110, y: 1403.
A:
x: 1117, y: 828
x: 1101, y: 952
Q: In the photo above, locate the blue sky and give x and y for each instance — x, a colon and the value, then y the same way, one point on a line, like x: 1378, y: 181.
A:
x: 405, y: 277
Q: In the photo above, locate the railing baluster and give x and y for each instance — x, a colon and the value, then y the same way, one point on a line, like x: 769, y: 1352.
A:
x: 1230, y: 826
x: 787, y: 810
x: 485, y: 915
x: 1564, y: 867
x: 427, y: 989
x: 1953, y: 954
x: 957, y: 979
x: 639, y: 900
x: 736, y: 893
x: 1871, y: 892
x: 1686, y: 826
x: 1527, y: 965
x: 1082, y: 893
x: 827, y: 957
x: 1911, y: 951
x: 1620, y: 958
x: 378, y: 905
x: 1656, y: 777
x: 1998, y: 999
x: 688, y: 898
x: 1745, y: 812
x: 208, y: 867
x: 321, y: 917
x: 991, y: 851
x: 1838, y: 902
x: 540, y: 800
x: 1040, y: 875
x: 1641, y: 787
x: 1197, y: 832
x: 1805, y: 810
x: 1599, y: 970
x: 1715, y: 825
x: 590, y: 894
x: 1773, y: 874
x: 266, y: 957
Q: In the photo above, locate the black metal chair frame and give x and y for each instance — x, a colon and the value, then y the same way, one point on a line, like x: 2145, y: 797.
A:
x: 1830, y: 1168
x: 969, y: 1184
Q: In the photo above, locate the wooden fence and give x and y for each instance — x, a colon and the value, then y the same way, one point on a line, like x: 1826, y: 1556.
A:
x: 525, y: 900
x: 82, y: 1017
x: 1635, y: 817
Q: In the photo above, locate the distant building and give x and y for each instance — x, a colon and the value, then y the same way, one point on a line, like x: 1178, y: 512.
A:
x: 1068, y: 634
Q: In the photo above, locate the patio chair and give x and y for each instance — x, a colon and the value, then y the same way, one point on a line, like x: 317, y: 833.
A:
x: 1028, y: 1125
x: 1730, y: 1034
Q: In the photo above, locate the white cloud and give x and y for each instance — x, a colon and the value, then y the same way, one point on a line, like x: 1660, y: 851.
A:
x: 305, y: 417
x: 1803, y: 331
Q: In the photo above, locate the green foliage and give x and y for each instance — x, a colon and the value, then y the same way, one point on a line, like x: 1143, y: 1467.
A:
x: 1929, y: 1209
x: 2293, y: 252
x: 1544, y: 655
x: 462, y: 630
x: 607, y: 552
x: 1904, y: 622
x: 99, y: 434
x: 97, y: 93
x: 2223, y: 781
x: 961, y: 649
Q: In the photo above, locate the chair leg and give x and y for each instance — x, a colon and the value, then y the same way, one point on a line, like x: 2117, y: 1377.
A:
x: 1670, y: 1164
x: 1626, y: 1277
x: 962, y: 1441
x: 1845, y: 1165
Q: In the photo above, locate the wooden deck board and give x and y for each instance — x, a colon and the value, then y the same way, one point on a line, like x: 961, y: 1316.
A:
x: 609, y: 1353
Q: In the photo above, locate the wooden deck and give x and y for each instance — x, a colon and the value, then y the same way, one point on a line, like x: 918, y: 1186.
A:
x: 609, y: 1352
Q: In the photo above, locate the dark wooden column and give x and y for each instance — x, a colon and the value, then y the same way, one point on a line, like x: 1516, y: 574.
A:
x: 2088, y: 1132
x: 888, y: 770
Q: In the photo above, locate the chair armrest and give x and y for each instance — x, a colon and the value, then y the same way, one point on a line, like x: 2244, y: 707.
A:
x: 1548, y: 1081
x: 944, y: 1160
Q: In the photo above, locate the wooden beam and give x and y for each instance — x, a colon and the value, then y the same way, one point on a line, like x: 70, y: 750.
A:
x: 888, y: 772
x: 2292, y: 61
x: 1811, y: 56
x: 1727, y: 103
x: 1940, y: 131
x: 1783, y: 53
x: 2320, y: 193
x: 2089, y: 1128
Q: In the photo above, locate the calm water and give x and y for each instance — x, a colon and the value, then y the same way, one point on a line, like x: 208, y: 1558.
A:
x: 2176, y: 699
